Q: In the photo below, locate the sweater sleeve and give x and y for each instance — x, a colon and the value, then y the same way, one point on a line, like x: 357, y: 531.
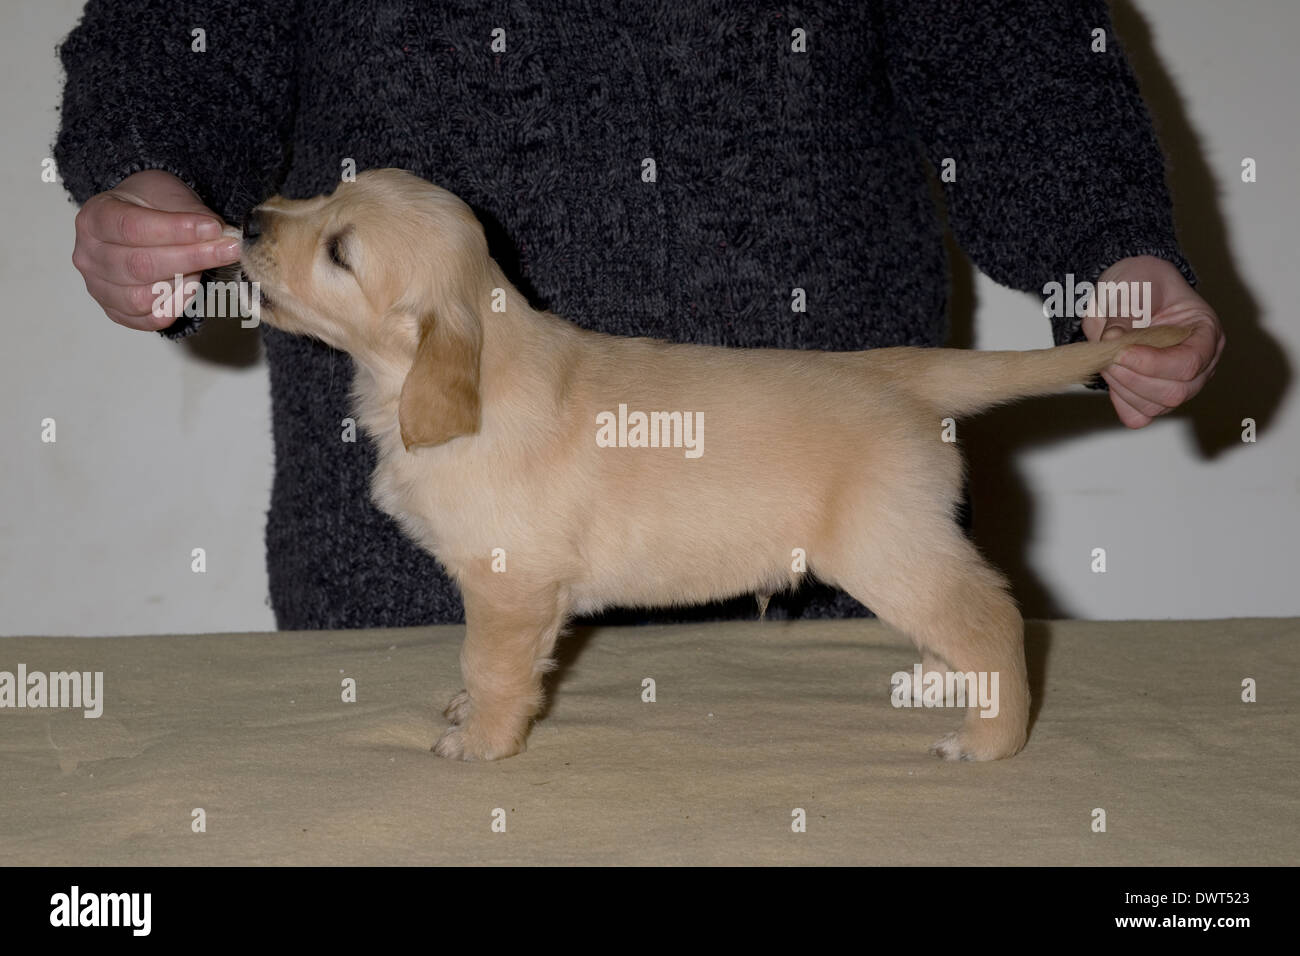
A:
x: 1058, y: 169
x: 139, y: 94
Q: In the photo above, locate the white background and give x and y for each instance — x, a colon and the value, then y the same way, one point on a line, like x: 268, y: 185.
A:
x: 164, y: 447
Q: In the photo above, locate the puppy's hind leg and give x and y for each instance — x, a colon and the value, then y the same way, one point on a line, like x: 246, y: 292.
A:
x: 509, y: 634
x: 936, y: 588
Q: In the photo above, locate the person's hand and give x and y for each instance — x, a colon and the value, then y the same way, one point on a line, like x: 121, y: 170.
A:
x: 147, y: 229
x: 1148, y: 382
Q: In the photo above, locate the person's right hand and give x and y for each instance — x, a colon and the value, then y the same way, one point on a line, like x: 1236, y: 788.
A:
x: 147, y: 229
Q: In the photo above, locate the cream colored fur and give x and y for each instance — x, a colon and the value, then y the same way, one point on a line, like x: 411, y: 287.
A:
x: 485, y: 423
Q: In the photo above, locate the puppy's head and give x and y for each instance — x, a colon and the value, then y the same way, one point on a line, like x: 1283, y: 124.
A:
x: 393, y: 270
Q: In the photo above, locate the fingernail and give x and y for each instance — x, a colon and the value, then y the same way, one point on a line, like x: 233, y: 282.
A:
x: 208, y: 229
x: 225, y: 251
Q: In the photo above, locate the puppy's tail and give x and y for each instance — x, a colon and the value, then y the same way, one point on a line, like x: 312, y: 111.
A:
x: 960, y: 382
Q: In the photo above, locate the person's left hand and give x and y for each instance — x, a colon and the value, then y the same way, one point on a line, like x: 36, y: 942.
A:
x: 1148, y: 382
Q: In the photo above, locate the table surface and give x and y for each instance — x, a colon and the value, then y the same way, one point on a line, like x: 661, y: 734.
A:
x: 752, y: 721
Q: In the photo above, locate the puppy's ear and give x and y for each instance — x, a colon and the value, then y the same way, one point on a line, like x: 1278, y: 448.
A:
x: 440, y: 397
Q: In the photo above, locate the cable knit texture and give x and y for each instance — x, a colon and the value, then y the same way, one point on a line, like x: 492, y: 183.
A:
x: 775, y: 170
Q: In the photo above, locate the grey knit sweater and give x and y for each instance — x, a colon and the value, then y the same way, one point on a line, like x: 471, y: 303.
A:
x: 776, y: 169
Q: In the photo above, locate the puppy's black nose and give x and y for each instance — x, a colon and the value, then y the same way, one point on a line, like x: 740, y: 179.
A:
x: 253, y: 225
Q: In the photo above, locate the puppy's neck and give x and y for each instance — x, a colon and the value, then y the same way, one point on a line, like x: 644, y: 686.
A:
x: 376, y: 391
x: 521, y: 348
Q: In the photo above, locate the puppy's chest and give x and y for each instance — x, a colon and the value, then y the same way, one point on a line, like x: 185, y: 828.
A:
x: 398, y: 486
x: 425, y: 497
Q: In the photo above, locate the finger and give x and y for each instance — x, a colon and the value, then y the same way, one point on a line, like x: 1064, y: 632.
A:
x: 1115, y: 327
x: 146, y: 306
x: 170, y: 308
x: 1169, y: 391
x: 1178, y: 363
x: 1142, y: 409
x: 1093, y: 326
x: 124, y: 223
x: 1127, y: 414
x: 135, y: 265
x: 1159, y: 391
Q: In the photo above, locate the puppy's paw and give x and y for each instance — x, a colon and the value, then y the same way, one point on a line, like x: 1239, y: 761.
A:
x: 951, y: 747
x: 458, y: 709
x: 467, y: 742
x: 451, y: 744
x: 964, y: 745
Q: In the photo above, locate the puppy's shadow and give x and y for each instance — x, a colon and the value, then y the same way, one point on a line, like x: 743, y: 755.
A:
x: 222, y: 339
x: 1002, y: 504
x: 225, y: 342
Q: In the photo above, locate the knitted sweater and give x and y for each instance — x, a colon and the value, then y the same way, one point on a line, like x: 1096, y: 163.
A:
x: 775, y: 168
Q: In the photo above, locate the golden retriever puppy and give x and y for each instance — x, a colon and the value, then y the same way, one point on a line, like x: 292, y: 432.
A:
x: 555, y: 471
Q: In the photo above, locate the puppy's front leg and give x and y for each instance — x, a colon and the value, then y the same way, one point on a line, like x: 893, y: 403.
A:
x: 509, y: 634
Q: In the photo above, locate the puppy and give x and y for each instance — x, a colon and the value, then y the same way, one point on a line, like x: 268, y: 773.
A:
x: 555, y: 471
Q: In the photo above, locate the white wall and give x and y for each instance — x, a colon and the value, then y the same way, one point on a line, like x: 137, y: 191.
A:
x: 163, y: 447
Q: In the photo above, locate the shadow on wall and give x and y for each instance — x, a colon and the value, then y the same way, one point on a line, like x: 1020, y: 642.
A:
x: 225, y: 342
x: 1250, y: 382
